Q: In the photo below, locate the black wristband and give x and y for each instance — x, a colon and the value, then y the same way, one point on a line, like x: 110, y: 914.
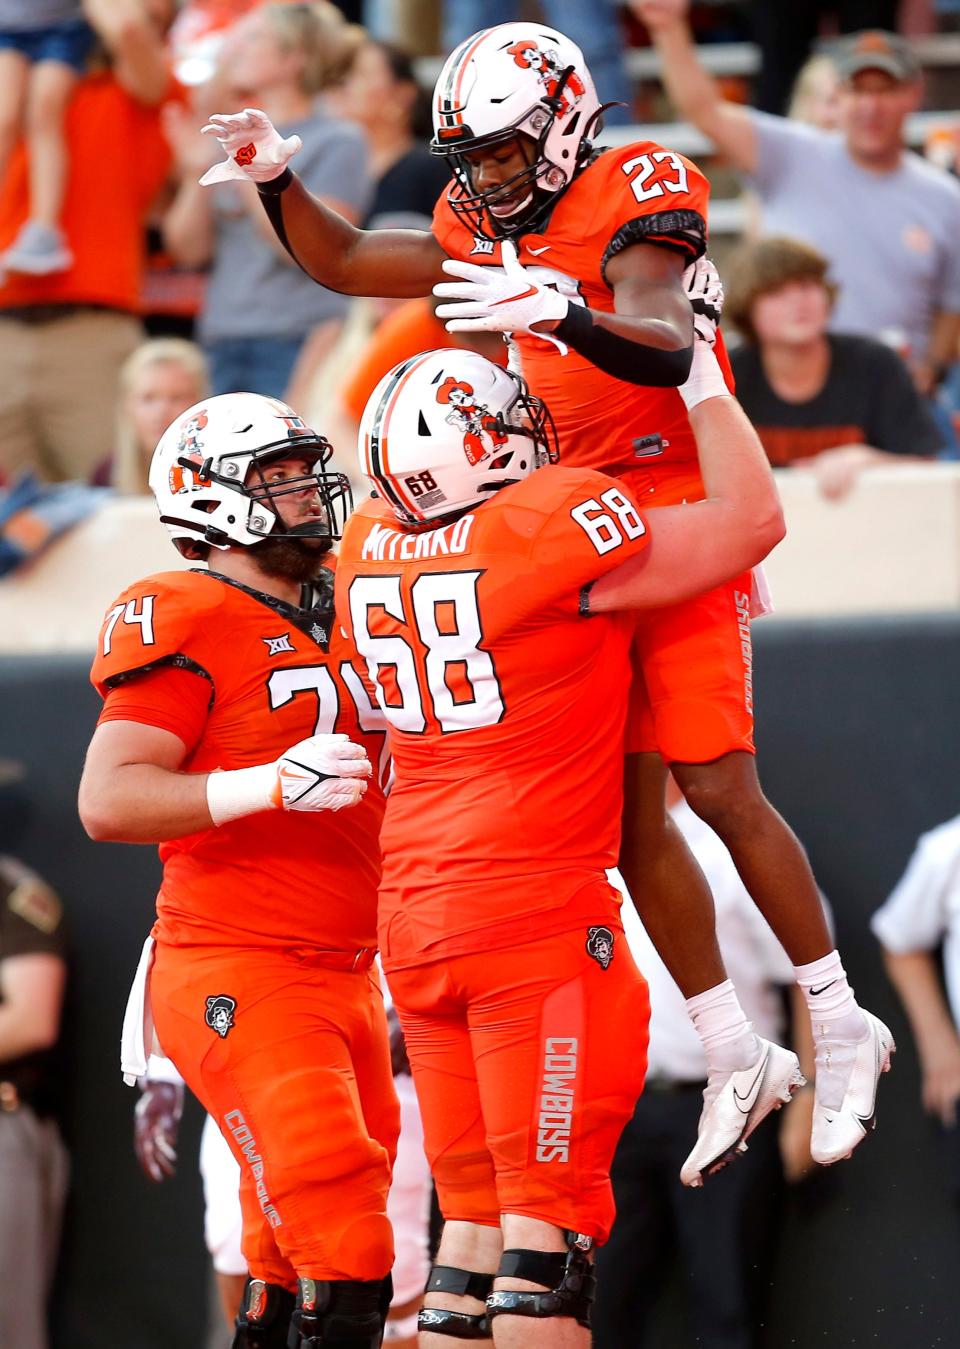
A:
x: 270, y: 194
x: 634, y: 362
x: 275, y: 186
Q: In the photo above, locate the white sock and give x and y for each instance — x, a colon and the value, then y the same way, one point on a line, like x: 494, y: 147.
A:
x: 834, y: 1013
x: 725, y: 1033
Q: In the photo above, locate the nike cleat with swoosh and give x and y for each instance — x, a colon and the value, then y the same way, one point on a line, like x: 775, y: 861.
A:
x: 838, y: 1128
x: 735, y: 1106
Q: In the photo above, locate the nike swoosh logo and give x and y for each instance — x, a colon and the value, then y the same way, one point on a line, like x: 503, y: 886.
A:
x: 537, y: 251
x: 746, y: 1102
x: 815, y: 992
x: 531, y: 290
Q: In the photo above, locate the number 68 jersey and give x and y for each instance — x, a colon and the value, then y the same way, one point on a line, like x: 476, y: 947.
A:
x: 239, y: 677
x: 505, y: 704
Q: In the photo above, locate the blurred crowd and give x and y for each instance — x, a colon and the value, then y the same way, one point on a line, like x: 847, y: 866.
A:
x: 127, y: 290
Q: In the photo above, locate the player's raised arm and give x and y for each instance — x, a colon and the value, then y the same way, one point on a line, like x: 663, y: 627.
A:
x: 696, y: 546
x: 346, y: 259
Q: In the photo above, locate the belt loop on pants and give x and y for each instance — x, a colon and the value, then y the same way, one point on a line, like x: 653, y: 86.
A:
x: 350, y: 962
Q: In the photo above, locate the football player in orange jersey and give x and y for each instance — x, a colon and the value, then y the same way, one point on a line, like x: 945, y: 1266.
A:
x: 489, y: 604
x: 237, y: 734
x: 594, y: 300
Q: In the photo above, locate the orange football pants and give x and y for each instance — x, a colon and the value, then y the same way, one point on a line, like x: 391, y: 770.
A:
x: 692, y: 693
x: 296, y: 1072
x: 528, y: 1062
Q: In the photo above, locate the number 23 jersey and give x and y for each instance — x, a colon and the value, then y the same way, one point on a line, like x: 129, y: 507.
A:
x: 239, y: 677
x: 505, y: 704
x: 639, y: 194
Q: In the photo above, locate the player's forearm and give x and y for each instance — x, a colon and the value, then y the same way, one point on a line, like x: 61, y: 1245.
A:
x: 396, y: 263
x: 143, y: 803
x: 696, y: 547
x: 915, y: 978
x: 650, y: 351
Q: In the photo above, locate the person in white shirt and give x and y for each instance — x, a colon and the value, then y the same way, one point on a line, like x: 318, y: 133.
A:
x: 723, y: 1235
x: 920, y: 918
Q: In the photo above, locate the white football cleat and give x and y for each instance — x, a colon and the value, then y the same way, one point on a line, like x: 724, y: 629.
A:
x: 734, y: 1108
x: 837, y: 1131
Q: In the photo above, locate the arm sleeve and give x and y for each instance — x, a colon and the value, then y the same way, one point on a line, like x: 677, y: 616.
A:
x: 900, y: 421
x: 172, y: 699
x: 914, y: 916
x: 948, y: 298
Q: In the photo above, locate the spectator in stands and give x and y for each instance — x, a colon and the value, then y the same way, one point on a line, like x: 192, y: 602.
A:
x: 831, y: 402
x: 920, y: 917
x: 262, y: 316
x: 44, y: 45
x: 593, y: 25
x: 722, y: 1238
x: 815, y: 94
x: 63, y: 337
x: 161, y: 379
x: 786, y: 31
x: 33, y: 1160
x: 381, y: 94
x: 887, y: 221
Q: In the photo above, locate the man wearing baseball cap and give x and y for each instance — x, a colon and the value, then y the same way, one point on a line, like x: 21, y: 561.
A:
x: 888, y: 221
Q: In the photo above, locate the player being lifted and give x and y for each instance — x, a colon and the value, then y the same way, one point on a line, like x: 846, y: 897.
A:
x: 580, y: 254
x: 490, y: 604
x: 236, y: 732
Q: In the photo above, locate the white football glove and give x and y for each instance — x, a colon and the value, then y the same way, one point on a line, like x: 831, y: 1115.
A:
x: 324, y: 772
x: 255, y: 150
x: 504, y: 299
x: 704, y: 290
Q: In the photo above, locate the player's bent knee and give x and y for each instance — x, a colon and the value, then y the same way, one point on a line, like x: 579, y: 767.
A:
x: 365, y: 1247
x: 341, y: 1314
x: 567, y: 1276
x: 264, y: 1318
x: 460, y: 1283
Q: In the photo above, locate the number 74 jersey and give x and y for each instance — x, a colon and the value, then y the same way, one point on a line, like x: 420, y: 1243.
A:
x: 505, y: 704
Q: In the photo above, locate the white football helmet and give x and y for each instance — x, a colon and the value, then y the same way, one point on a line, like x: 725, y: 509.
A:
x: 207, y: 473
x: 515, y: 79
x: 445, y: 429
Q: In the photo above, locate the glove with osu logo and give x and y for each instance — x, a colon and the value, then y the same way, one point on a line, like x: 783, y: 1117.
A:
x: 255, y: 150
x: 505, y: 299
x: 323, y: 772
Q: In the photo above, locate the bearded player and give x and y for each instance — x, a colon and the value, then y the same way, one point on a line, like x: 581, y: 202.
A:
x: 580, y: 255
x: 488, y: 603
x: 237, y: 734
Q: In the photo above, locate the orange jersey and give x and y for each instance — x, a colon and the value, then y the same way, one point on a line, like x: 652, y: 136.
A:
x: 506, y: 706
x: 255, y: 676
x: 639, y: 194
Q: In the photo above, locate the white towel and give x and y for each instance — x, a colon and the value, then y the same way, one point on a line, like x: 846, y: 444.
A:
x: 138, y: 1039
x: 761, y: 597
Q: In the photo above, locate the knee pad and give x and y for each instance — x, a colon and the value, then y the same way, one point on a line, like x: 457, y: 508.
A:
x: 341, y: 1314
x: 264, y: 1318
x: 569, y: 1278
x: 458, y: 1325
